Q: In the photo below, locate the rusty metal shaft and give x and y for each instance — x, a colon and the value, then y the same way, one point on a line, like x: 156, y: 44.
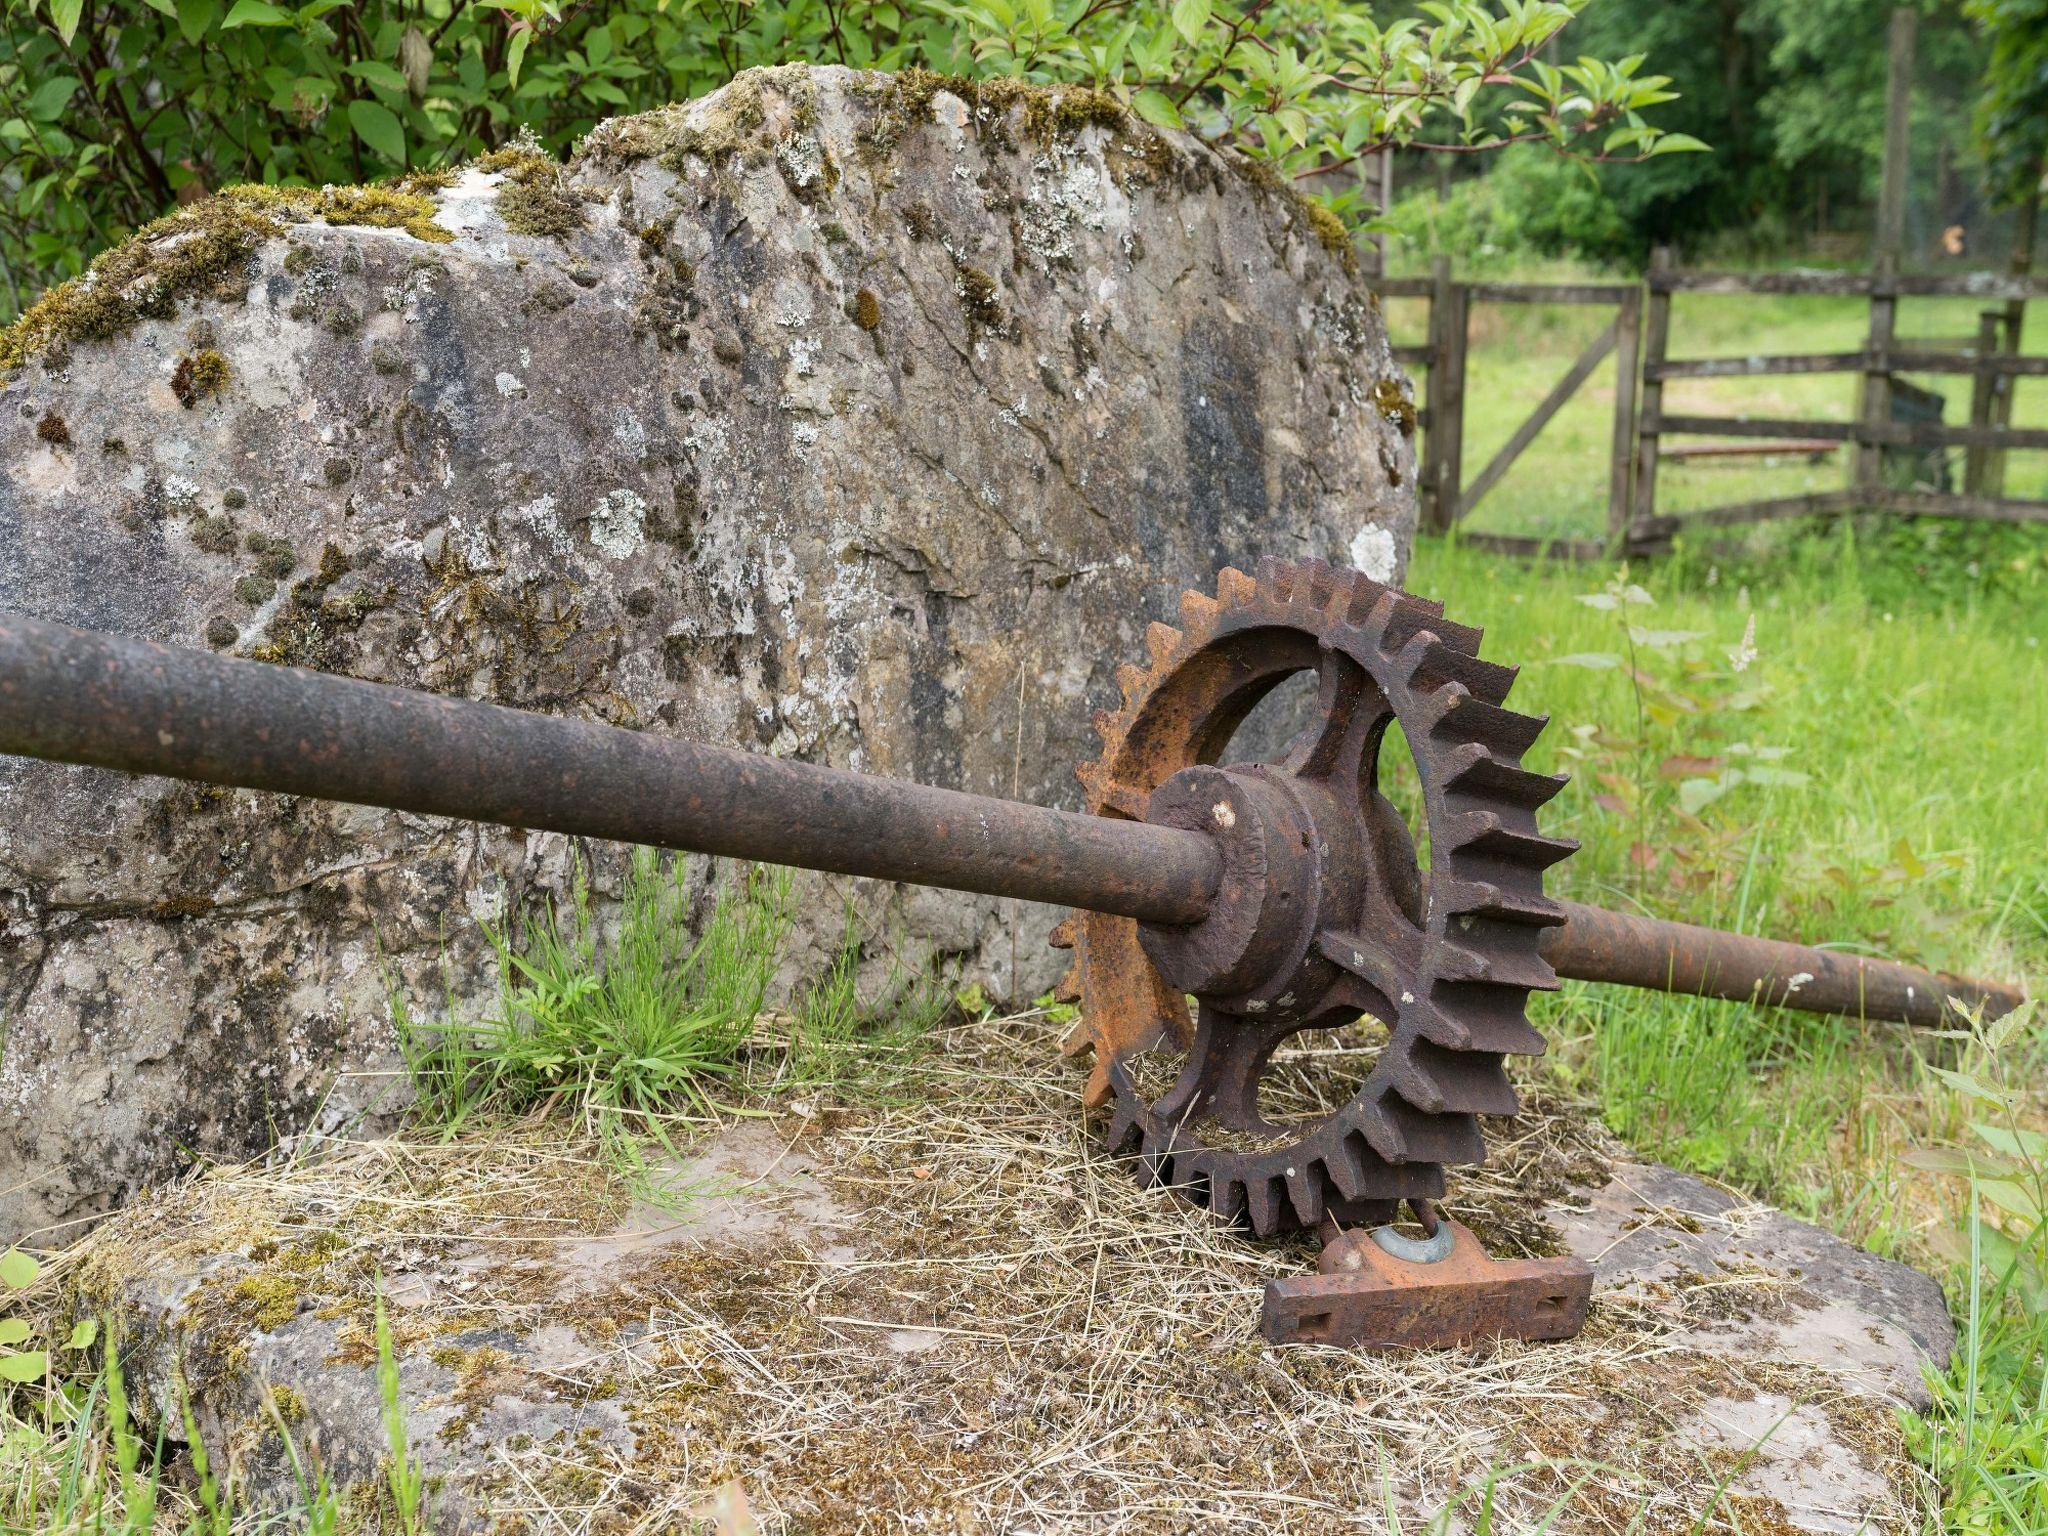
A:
x: 79, y: 696
x: 1597, y: 945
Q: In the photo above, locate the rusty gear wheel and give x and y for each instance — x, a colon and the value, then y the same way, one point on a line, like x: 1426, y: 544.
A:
x: 1325, y: 913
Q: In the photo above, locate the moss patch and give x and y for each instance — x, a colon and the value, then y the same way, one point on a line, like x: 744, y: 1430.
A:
x: 867, y: 310
x: 198, y: 375
x: 197, y: 252
x: 53, y: 430
x: 1395, y: 405
x: 531, y: 201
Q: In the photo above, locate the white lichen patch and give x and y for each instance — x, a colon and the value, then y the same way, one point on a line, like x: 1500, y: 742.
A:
x: 539, y: 515
x: 509, y: 385
x: 803, y: 161
x: 1374, y: 552
x: 618, y: 524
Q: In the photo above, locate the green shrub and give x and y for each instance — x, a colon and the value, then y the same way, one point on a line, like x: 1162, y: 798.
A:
x: 113, y: 112
x: 1528, y: 203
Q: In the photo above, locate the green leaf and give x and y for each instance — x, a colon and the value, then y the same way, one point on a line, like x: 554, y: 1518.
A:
x: 1951, y: 1162
x: 1678, y: 143
x: 378, y: 75
x: 1663, y: 639
x: 1695, y: 795
x: 1157, y: 108
x: 255, y: 13
x: 195, y: 17
x: 1190, y: 17
x: 1969, y: 1087
x: 84, y: 1334
x: 17, y: 1270
x: 164, y: 6
x: 64, y: 16
x: 48, y: 99
x: 25, y: 1368
x: 516, y: 53
x: 375, y: 124
x: 13, y: 1330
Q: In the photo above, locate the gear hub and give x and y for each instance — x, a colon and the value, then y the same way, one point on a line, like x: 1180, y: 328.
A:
x: 1328, y: 913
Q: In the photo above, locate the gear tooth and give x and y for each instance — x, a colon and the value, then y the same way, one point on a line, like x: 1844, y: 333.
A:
x: 1453, y: 1082
x: 1410, y: 615
x: 1108, y: 724
x: 1461, y: 717
x: 1450, y: 1137
x: 1263, y: 1204
x: 1226, y: 1198
x: 1363, y: 595
x: 1484, y: 898
x: 1197, y: 612
x: 1160, y: 641
x: 1233, y: 588
x: 1078, y: 1039
x: 1123, y: 1128
x: 1323, y: 580
x: 1135, y: 682
x: 1442, y: 663
x: 1064, y: 933
x: 1483, y: 1018
x: 1098, y: 1090
x: 1476, y: 771
x: 1454, y: 962
x: 1348, y: 1165
x: 1068, y: 989
x: 1305, y: 1192
x: 1276, y: 575
x: 1489, y: 835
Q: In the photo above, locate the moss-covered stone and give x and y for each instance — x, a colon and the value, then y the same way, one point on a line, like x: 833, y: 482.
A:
x: 531, y: 201
x: 53, y: 430
x: 199, y: 251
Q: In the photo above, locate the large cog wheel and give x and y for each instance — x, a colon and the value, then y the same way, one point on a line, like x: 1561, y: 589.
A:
x: 1325, y: 913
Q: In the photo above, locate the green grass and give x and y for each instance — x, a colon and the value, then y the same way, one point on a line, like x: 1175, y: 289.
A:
x: 1896, y: 704
x: 1559, y: 485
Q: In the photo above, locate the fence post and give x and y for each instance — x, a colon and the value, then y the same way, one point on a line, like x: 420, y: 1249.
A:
x: 1875, y: 409
x: 1429, y: 474
x: 1983, y: 397
x: 1628, y: 332
x: 1447, y: 310
x: 2015, y: 322
x: 1656, y: 342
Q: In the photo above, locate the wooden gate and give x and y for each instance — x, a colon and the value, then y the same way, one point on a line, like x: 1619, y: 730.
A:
x: 1446, y: 498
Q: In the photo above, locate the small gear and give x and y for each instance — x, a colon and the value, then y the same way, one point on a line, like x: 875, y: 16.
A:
x: 1325, y: 913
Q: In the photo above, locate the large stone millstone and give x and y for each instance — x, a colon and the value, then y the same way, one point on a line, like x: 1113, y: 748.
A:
x: 836, y: 415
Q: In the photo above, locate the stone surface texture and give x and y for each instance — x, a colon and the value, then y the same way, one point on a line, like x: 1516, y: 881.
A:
x: 1737, y: 1362
x: 835, y: 415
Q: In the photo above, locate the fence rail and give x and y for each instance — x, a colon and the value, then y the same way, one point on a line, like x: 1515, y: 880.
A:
x: 1638, y: 337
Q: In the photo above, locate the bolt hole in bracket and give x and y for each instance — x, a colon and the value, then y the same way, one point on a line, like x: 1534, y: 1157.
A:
x: 1378, y: 1288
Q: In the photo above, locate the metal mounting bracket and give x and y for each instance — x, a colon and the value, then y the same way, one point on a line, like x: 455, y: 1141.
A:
x: 1363, y: 1297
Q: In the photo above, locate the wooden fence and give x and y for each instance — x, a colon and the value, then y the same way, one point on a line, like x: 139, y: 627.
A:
x: 1639, y: 336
